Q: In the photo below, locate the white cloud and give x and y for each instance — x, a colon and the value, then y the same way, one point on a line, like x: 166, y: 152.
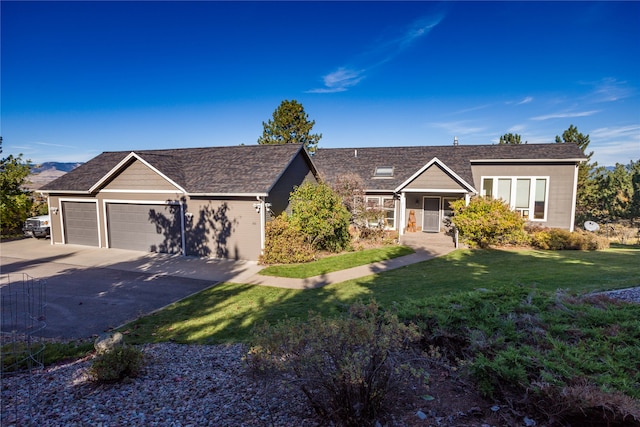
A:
x: 526, y: 100
x: 459, y: 127
x: 613, y: 145
x: 609, y: 89
x: 345, y: 77
x: 517, y: 128
x: 340, y: 80
x: 566, y: 115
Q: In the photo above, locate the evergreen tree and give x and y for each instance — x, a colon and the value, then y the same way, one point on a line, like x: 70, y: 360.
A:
x: 511, y: 138
x: 290, y: 124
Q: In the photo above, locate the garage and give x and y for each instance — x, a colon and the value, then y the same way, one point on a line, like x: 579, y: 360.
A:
x: 80, y: 223
x: 145, y: 227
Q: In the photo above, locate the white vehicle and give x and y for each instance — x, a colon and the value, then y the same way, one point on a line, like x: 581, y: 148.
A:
x: 37, y: 226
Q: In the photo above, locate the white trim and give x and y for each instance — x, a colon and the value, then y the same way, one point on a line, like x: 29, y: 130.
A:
x: 435, y: 190
x: 51, y: 219
x: 263, y: 223
x: 437, y: 161
x: 119, y: 166
x: 382, y: 208
x: 105, y: 202
x: 140, y: 191
x: 64, y: 191
x: 61, y: 210
x: 227, y: 194
x: 403, y: 208
x: 574, y: 198
x: 520, y: 160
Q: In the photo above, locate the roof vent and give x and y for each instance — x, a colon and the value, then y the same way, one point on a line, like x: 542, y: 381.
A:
x: 455, y: 140
x: 355, y: 153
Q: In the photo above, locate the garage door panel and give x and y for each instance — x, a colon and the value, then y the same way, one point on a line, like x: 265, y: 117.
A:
x: 145, y: 227
x: 80, y: 223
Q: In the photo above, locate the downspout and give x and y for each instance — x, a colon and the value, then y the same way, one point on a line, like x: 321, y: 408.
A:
x: 263, y: 221
x: 182, y: 226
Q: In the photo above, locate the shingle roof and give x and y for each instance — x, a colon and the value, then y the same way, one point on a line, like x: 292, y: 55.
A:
x: 249, y: 169
x: 334, y: 162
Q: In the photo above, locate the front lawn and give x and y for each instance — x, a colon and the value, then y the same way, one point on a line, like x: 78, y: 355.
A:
x: 336, y: 262
x: 228, y: 312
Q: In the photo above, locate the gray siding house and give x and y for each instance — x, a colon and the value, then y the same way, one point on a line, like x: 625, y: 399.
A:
x: 215, y: 202
x: 537, y: 180
x: 209, y: 202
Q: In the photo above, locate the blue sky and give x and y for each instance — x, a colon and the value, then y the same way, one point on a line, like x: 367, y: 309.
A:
x: 79, y: 78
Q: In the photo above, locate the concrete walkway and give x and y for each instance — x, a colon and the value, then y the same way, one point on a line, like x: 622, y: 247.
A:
x: 427, y: 246
x: 40, y: 252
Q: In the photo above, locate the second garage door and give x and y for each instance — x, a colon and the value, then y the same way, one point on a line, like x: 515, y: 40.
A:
x: 145, y: 227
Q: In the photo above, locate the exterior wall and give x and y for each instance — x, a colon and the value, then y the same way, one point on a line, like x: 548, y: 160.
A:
x: 561, y: 186
x: 296, y: 174
x: 138, y: 176
x: 434, y: 177
x: 223, y: 228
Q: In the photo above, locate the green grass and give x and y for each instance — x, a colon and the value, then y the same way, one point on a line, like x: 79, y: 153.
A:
x: 336, y: 263
x: 228, y: 312
x: 17, y: 356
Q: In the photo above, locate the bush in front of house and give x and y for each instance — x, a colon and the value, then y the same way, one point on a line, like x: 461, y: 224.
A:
x: 486, y: 222
x: 560, y: 239
x: 317, y: 210
x: 285, y: 243
x: 350, y: 368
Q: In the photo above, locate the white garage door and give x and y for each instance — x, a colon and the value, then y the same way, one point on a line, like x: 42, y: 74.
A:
x: 145, y: 227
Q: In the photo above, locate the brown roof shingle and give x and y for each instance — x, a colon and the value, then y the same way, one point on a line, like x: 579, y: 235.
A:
x: 246, y: 169
x: 406, y: 161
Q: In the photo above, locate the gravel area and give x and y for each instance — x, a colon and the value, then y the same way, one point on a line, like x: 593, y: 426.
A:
x: 628, y: 294
x: 181, y: 385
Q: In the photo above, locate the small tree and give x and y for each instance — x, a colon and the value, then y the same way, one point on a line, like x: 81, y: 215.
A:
x: 511, y: 138
x: 15, y: 202
x: 290, y: 125
x: 321, y: 216
x: 485, y: 222
x: 351, y: 189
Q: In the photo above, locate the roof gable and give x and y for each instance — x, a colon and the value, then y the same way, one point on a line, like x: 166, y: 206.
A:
x: 136, y: 173
x: 435, y: 176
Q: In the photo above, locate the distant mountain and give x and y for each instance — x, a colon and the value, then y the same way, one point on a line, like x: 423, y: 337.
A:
x: 46, y: 172
x: 63, y: 167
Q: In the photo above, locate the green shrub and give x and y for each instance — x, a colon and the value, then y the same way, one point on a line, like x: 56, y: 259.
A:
x: 560, y: 239
x: 321, y: 216
x: 350, y: 367
x: 285, y: 243
x: 117, y: 364
x: 486, y: 222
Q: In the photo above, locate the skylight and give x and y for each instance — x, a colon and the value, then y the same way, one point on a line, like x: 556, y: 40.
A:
x: 383, y: 172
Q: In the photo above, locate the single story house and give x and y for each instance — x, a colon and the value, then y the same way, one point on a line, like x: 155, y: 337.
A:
x: 209, y: 202
x: 537, y: 180
x: 215, y: 202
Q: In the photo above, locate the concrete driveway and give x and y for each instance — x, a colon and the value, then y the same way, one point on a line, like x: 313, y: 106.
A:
x: 91, y: 290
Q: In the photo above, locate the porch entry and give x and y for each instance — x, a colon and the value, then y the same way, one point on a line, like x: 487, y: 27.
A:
x: 431, y: 215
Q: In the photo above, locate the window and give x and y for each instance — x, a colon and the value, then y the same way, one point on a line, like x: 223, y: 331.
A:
x: 527, y: 195
x: 540, y: 201
x: 387, y: 207
x: 504, y: 190
x: 383, y: 172
x: 487, y: 187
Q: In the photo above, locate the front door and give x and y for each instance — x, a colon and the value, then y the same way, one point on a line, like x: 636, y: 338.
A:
x: 431, y: 215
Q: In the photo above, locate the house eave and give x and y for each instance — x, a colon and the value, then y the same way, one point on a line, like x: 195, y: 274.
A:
x: 252, y: 195
x: 579, y: 160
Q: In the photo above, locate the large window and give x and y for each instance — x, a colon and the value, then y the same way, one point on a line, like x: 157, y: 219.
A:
x: 527, y: 195
x: 387, y: 206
